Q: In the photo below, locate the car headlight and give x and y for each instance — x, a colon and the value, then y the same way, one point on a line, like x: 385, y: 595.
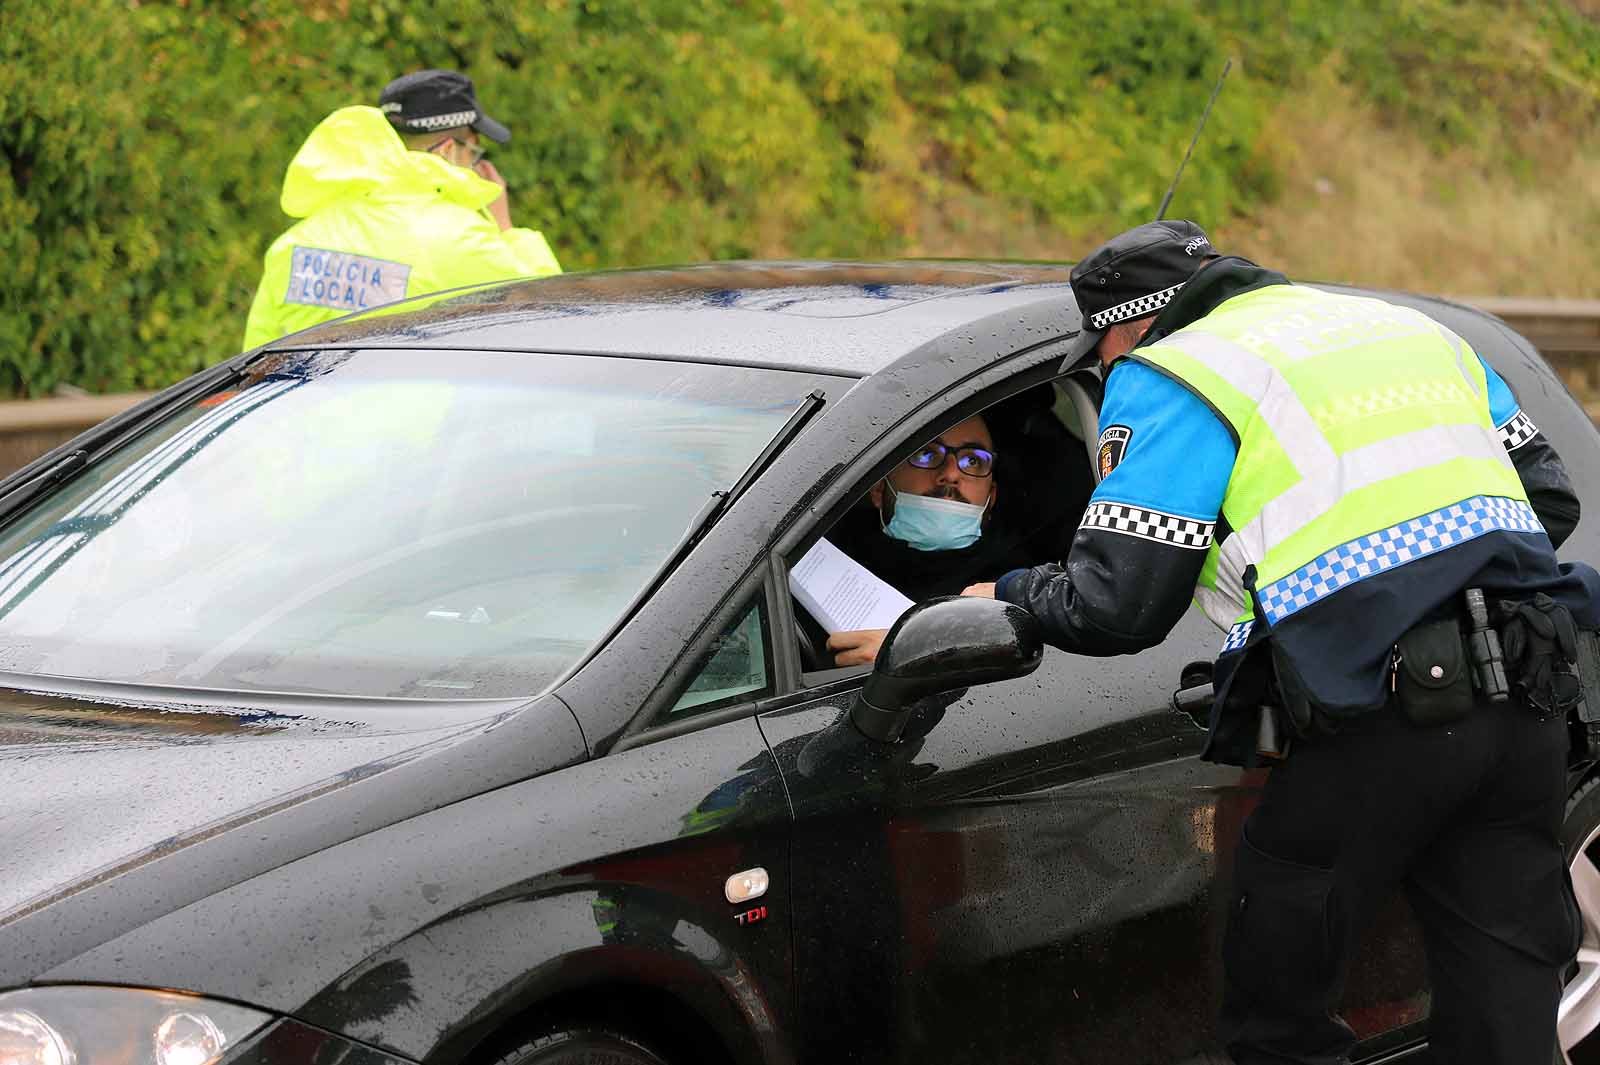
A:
x: 119, y: 1026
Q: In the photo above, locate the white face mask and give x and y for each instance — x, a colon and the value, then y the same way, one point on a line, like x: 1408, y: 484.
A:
x: 928, y: 523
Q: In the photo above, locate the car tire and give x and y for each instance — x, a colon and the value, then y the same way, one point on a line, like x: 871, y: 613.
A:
x: 1579, y: 1014
x: 582, y: 1046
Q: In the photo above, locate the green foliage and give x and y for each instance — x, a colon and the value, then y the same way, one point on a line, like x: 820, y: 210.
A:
x: 143, y: 141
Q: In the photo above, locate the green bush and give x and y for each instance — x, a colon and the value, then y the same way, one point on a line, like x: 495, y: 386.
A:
x: 144, y: 142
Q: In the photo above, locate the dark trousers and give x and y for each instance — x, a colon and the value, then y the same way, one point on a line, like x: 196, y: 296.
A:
x: 1467, y: 817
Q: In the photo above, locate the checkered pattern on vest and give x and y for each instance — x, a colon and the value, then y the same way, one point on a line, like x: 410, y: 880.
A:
x: 1237, y: 636
x: 1394, y: 546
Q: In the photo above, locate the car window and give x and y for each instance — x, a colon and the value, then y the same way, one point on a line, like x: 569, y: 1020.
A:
x: 402, y: 523
x: 1041, y: 481
x: 736, y: 667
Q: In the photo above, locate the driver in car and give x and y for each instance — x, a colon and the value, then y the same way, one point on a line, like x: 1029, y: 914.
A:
x: 931, y: 527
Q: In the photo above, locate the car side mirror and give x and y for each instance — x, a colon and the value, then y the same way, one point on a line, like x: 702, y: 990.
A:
x: 940, y: 646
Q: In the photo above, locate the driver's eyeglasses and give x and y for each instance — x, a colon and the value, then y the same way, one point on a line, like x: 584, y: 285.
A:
x: 972, y: 461
x: 474, y: 151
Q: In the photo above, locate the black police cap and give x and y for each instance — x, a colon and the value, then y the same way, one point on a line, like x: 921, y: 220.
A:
x: 436, y: 100
x: 1137, y: 273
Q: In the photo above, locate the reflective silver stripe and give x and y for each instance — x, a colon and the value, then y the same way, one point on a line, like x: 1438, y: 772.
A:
x: 1221, y: 604
x: 1325, y: 476
x: 1314, y: 330
x: 1297, y: 507
x: 1460, y: 347
x: 1276, y: 404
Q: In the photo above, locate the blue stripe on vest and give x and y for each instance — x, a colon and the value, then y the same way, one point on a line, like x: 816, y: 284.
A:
x: 1394, y: 546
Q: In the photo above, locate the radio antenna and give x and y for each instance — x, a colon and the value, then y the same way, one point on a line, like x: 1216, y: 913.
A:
x: 1167, y: 199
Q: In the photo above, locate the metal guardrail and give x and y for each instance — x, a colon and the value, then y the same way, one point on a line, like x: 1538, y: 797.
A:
x: 1557, y: 327
x: 1567, y: 332
x: 30, y: 427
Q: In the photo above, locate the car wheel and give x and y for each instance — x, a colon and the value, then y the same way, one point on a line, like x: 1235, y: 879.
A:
x: 582, y: 1046
x: 1579, y: 1014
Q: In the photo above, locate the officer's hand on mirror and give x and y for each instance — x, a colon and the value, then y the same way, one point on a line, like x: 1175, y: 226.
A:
x: 980, y: 591
x: 500, y: 209
x: 856, y: 648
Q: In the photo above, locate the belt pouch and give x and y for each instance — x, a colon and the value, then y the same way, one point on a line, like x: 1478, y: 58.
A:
x: 1432, y: 683
x: 1589, y: 675
x: 1587, y: 728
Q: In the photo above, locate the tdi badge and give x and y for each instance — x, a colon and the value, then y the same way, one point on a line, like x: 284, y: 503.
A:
x: 1113, y: 445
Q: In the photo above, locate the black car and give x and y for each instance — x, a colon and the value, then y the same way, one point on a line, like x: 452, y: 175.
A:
x: 427, y: 687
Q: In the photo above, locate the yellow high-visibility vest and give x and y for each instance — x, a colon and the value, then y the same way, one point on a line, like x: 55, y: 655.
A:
x: 1365, y: 442
x: 378, y: 224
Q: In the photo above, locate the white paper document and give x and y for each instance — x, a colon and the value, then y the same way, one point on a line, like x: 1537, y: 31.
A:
x: 842, y: 594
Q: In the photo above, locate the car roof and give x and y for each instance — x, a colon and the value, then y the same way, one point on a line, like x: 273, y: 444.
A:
x: 847, y: 318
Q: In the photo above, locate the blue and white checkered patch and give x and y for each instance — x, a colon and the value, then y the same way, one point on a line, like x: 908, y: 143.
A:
x: 1237, y: 636
x: 1394, y: 546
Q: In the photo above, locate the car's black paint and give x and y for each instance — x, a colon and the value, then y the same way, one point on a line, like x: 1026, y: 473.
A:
x: 417, y: 936
x: 221, y: 828
x: 851, y: 319
x: 288, y: 1042
x: 1035, y: 871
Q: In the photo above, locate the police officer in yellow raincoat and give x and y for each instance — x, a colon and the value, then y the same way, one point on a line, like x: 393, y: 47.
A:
x: 393, y: 201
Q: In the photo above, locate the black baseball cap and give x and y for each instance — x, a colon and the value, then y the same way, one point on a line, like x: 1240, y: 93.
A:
x: 430, y: 100
x: 1137, y: 273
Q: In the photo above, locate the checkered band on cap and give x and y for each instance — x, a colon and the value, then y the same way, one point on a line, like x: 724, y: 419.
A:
x: 446, y: 121
x: 1518, y: 431
x: 1149, y: 524
x: 1136, y: 308
x: 1237, y: 636
x: 1395, y: 546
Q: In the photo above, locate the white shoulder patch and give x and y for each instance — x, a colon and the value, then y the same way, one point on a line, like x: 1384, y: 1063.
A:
x: 322, y: 278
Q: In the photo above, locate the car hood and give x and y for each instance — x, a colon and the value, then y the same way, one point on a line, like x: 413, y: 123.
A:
x: 95, y: 787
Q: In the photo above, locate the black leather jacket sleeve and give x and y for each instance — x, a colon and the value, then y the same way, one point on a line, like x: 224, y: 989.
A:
x: 1116, y: 594
x: 1549, y: 489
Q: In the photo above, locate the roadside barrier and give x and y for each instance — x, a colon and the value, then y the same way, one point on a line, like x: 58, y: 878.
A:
x: 30, y: 427
x: 1567, y: 332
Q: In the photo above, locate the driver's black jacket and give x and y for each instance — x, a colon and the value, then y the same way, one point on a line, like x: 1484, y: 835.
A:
x: 1118, y: 592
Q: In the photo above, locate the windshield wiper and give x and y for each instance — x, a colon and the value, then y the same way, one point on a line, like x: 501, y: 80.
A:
x: 55, y: 466
x: 720, y: 501
x: 704, y: 519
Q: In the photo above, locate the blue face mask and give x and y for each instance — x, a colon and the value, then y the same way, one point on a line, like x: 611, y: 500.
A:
x: 930, y: 524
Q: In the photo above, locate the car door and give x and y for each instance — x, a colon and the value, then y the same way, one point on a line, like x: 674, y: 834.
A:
x: 1039, y: 870
x: 690, y: 894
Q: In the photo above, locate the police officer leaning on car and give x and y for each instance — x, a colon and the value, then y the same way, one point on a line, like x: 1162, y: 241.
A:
x: 393, y: 201
x: 1327, y: 476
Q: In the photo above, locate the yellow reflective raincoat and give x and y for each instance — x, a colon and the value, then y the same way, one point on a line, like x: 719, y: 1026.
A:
x: 380, y: 223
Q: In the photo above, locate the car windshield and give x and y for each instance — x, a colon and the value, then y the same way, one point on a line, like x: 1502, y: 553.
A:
x: 444, y: 524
